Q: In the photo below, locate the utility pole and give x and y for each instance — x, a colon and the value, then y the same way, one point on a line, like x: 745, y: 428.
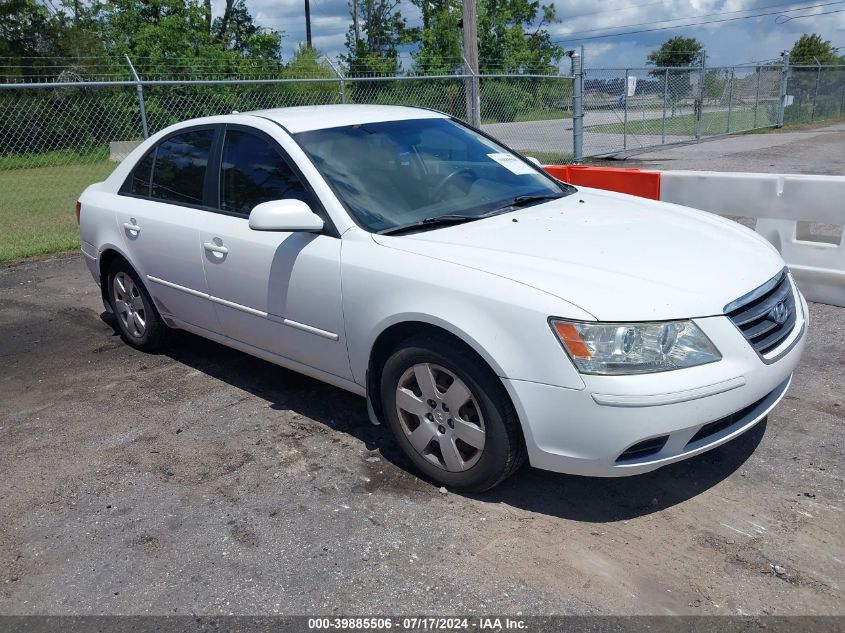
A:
x: 471, y: 58
x: 355, y: 21
x: 308, y: 23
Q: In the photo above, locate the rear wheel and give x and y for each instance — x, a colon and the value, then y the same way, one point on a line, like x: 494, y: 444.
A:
x: 137, y: 318
x: 450, y: 414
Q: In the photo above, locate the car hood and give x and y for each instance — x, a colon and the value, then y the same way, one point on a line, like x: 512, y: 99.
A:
x: 616, y: 256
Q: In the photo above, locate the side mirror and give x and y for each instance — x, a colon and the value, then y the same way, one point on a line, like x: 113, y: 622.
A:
x: 534, y: 160
x: 284, y: 215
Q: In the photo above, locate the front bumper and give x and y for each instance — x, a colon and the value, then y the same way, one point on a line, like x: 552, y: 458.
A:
x: 586, y: 431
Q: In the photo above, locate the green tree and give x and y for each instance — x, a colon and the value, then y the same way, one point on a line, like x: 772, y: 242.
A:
x: 26, y: 30
x: 677, y: 51
x: 159, y: 29
x: 439, y: 38
x: 811, y: 49
x: 680, y: 52
x: 173, y: 36
x: 306, y: 62
x: 512, y: 37
x: 816, y: 92
x: 374, y: 50
x: 237, y: 31
x: 29, y: 34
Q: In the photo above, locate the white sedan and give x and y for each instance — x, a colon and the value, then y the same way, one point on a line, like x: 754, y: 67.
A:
x: 488, y: 312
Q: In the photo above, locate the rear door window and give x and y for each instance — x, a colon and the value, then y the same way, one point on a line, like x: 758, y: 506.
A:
x: 180, y: 166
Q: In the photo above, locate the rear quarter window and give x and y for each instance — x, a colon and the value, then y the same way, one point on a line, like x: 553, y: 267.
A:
x: 138, y: 182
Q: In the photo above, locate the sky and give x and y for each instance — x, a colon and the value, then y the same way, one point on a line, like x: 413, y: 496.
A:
x: 730, y: 41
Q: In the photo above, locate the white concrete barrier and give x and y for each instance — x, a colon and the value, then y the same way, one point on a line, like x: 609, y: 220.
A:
x: 783, y: 206
x: 118, y: 150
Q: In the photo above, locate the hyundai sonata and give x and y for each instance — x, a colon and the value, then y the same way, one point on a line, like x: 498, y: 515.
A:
x: 488, y: 312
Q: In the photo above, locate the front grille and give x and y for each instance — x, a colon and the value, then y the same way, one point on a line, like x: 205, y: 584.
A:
x: 643, y: 449
x: 767, y: 315
x: 721, y: 424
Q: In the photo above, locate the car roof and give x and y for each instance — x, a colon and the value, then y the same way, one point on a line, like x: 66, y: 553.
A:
x: 307, y: 118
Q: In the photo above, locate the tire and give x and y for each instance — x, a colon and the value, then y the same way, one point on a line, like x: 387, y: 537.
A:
x: 139, y: 322
x: 472, y: 449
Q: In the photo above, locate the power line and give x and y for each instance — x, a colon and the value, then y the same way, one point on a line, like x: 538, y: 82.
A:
x: 678, y: 26
x: 789, y: 18
x: 705, y: 15
x: 625, y: 8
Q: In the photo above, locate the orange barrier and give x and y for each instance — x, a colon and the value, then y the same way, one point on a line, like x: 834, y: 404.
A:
x: 636, y: 182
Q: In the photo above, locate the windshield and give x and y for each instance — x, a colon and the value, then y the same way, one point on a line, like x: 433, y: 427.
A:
x: 397, y: 173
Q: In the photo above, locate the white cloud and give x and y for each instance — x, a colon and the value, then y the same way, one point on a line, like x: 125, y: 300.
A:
x: 726, y: 42
x: 730, y: 42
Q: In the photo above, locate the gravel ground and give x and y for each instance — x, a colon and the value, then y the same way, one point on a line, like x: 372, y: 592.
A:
x: 205, y: 481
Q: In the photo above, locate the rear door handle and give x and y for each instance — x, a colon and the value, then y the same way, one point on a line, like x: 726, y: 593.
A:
x: 215, y: 248
x: 131, y: 226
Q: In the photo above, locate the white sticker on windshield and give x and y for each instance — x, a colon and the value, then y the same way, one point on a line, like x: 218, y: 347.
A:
x: 511, y: 163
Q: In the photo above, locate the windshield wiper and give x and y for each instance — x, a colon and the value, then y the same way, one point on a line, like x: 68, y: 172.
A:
x: 430, y: 223
x: 521, y: 201
x: 453, y: 218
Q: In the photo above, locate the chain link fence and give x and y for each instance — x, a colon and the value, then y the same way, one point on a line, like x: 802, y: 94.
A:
x: 815, y: 92
x: 630, y: 109
x: 58, y: 137
x: 66, y: 129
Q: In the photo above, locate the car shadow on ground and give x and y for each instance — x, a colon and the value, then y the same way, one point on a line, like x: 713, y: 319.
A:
x: 608, y: 499
x: 283, y: 389
x: 589, y: 499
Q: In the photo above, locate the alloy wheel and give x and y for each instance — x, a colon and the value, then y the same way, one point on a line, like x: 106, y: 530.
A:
x: 440, y: 417
x: 129, y: 305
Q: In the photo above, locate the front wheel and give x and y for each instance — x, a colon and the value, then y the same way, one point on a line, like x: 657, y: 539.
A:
x: 451, y: 415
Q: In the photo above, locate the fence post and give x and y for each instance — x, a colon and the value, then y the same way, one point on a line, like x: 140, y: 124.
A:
x: 842, y: 103
x: 730, y: 100
x: 473, y: 95
x: 784, y: 78
x: 665, y: 94
x: 139, y: 87
x: 625, y: 104
x: 757, y: 98
x: 476, y: 99
x: 340, y: 78
x: 816, y: 93
x: 578, y: 106
x: 700, y: 98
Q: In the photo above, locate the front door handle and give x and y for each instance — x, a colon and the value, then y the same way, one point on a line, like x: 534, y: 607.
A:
x: 215, y: 248
x: 131, y: 226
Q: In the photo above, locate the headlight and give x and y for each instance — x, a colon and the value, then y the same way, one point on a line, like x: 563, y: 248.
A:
x: 634, y: 348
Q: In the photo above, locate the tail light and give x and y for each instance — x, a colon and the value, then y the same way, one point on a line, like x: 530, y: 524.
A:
x: 78, y: 209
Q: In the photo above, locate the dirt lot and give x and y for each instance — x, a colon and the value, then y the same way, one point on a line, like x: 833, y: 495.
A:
x: 206, y: 481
